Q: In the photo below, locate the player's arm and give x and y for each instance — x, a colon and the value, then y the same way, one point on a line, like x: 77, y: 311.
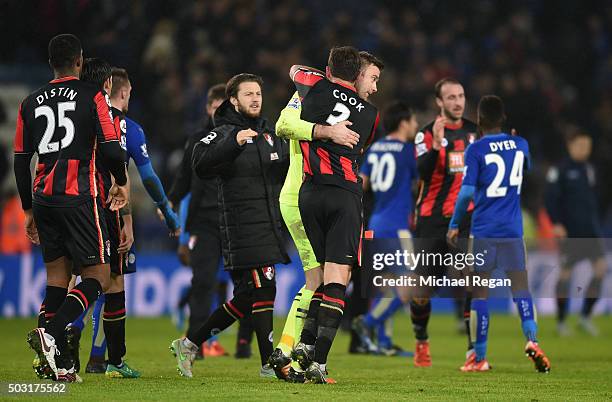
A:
x: 426, y: 156
x: 372, y: 133
x: 553, y: 197
x: 23, y: 152
x: 137, y: 150
x: 218, y: 149
x: 305, y: 78
x: 466, y: 193
x: 427, y: 147
x: 365, y: 182
x: 183, y: 247
x: 365, y: 173
x: 182, y: 181
x: 112, y: 153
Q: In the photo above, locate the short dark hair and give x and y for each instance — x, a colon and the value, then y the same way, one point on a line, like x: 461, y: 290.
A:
x: 491, y: 112
x: 96, y: 71
x: 64, y: 51
x: 344, y: 62
x: 368, y: 58
x: 441, y: 83
x: 394, y: 114
x: 231, y: 89
x: 573, y: 132
x: 216, y: 92
x: 120, y: 80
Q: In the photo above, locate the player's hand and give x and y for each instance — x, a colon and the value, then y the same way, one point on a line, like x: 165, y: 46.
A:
x: 118, y: 197
x: 559, y: 231
x: 170, y: 218
x: 160, y: 214
x: 451, y: 237
x: 438, y: 132
x: 340, y: 133
x: 126, y: 238
x: 30, y: 227
x: 183, y: 254
x: 244, y: 135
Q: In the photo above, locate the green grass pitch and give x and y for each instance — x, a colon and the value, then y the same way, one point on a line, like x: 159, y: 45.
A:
x: 581, y: 368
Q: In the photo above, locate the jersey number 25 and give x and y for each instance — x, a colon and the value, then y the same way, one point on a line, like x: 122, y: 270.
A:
x: 46, y: 146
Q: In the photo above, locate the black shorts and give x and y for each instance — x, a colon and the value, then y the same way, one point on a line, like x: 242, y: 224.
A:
x: 430, y: 240
x: 77, y: 232
x: 246, y: 280
x: 333, y: 221
x: 118, y: 263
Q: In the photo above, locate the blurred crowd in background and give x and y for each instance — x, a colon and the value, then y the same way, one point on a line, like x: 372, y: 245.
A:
x: 551, y: 62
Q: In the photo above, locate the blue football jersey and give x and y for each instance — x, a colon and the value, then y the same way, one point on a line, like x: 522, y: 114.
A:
x: 390, y: 165
x: 494, y: 166
x: 136, y: 143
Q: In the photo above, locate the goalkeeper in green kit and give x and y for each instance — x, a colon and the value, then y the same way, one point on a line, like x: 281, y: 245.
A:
x: 291, y: 127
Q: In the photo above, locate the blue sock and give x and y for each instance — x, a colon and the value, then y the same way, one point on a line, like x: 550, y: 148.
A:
x: 527, y: 312
x: 381, y: 310
x: 479, y: 321
x: 80, y: 322
x: 384, y: 331
x: 98, y: 341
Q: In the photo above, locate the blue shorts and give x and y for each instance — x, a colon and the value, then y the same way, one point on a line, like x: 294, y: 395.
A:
x: 502, y: 254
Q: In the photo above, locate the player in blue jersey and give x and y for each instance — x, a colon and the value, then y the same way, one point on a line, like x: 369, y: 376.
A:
x: 493, y: 177
x: 112, y: 316
x: 389, y: 170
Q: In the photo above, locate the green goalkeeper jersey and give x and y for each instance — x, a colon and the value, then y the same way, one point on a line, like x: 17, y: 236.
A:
x: 291, y: 127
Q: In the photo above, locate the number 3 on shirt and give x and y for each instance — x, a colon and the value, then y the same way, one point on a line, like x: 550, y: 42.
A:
x: 495, y: 189
x: 344, y: 114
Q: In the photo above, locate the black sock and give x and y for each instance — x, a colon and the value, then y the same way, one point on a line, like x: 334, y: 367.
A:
x: 224, y: 316
x: 331, y: 310
x: 54, y: 297
x: 467, y: 306
x: 309, y: 332
x: 77, y: 301
x: 592, y: 295
x: 263, y: 320
x: 114, y: 326
x: 419, y: 314
x: 562, y: 300
x: 245, y: 330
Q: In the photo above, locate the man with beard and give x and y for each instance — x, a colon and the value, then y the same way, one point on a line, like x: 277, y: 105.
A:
x: 439, y: 148
x: 250, y: 164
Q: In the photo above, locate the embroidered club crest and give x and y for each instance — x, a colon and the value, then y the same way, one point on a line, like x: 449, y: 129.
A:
x: 269, y: 139
x: 268, y: 273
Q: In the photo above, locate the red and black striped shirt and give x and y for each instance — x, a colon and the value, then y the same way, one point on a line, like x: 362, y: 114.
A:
x: 441, y: 172
x: 326, y: 102
x: 64, y: 122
